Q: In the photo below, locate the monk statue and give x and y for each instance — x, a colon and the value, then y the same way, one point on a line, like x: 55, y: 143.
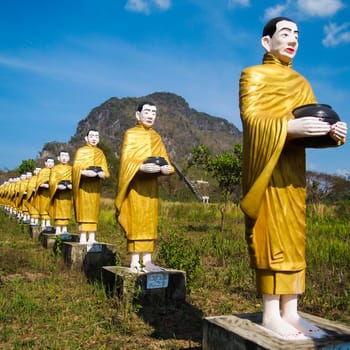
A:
x: 60, y: 182
x: 43, y: 192
x: 21, y: 200
x: 89, y: 168
x: 32, y: 198
x: 274, y: 179
x: 143, y: 158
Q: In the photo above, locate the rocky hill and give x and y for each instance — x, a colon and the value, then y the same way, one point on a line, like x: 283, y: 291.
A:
x: 180, y: 126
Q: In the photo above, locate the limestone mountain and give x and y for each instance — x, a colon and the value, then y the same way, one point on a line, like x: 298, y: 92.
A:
x: 180, y: 126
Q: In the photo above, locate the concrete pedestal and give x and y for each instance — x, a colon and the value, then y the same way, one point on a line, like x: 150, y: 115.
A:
x: 51, y: 240
x: 78, y: 257
x: 34, y: 231
x: 152, y: 288
x: 244, y: 332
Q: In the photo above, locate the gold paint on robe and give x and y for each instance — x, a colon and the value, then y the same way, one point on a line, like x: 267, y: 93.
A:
x: 60, y: 207
x: 86, y: 190
x: 32, y: 199
x: 43, y: 193
x: 274, y: 185
x: 137, y: 198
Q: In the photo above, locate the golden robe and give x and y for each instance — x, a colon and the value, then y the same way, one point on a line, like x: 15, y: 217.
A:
x: 43, y: 193
x: 137, y: 198
x: 12, y: 194
x: 60, y: 207
x: 22, y: 204
x: 86, y: 190
x: 32, y: 199
x: 274, y: 184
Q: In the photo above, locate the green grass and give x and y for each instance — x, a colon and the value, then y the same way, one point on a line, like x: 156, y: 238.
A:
x: 45, y: 305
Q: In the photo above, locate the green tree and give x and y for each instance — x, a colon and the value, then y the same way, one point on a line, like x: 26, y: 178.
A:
x: 26, y: 166
x: 226, y: 168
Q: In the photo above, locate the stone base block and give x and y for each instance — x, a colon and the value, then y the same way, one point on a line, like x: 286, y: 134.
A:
x: 51, y: 240
x: 244, y: 332
x: 78, y: 257
x: 152, y: 288
x: 34, y: 231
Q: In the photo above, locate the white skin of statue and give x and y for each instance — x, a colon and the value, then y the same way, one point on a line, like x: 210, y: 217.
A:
x: 281, y: 311
x: 147, y: 117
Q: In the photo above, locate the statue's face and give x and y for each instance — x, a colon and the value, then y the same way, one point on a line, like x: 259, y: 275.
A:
x: 64, y: 157
x: 50, y: 163
x: 93, y: 138
x: 284, y: 42
x: 147, y: 116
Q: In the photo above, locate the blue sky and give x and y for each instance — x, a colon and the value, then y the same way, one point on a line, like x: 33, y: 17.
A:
x: 60, y: 59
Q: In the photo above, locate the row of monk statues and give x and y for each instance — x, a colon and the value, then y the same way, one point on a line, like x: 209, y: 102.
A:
x: 274, y: 181
x: 49, y: 194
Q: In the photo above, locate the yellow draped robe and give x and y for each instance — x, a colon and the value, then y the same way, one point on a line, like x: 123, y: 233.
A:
x: 22, y: 204
x: 137, y: 198
x: 43, y: 193
x: 274, y: 183
x: 86, y: 190
x: 32, y: 198
x: 60, y: 207
x: 12, y: 195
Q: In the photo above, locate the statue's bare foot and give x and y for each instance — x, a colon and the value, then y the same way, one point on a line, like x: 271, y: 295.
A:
x: 150, y: 267
x: 135, y: 267
x: 306, y: 327
x: 284, y: 330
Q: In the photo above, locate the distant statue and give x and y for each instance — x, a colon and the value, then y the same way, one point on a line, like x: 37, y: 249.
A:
x: 22, y: 207
x: 143, y: 158
x: 32, y: 199
x: 43, y: 192
x: 89, y: 168
x: 274, y: 182
x: 60, y: 182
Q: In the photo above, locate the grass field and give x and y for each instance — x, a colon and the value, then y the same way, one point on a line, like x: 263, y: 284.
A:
x: 44, y: 305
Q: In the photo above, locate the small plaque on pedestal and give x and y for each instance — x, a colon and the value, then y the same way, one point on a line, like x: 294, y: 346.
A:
x: 157, y: 280
x: 152, y: 288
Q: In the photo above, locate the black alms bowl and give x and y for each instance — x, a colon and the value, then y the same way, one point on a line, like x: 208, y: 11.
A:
x: 157, y: 160
x: 317, y: 110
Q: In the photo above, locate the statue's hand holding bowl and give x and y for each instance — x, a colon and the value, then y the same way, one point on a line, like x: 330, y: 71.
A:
x: 165, y: 169
x: 101, y: 174
x: 89, y: 173
x: 150, y: 168
x: 338, y: 131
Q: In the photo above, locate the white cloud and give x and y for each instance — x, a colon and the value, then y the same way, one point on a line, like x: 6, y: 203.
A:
x: 335, y: 35
x: 235, y: 3
x: 144, y: 6
x: 163, y: 4
x: 276, y: 11
x: 305, y: 8
x: 319, y: 8
x: 137, y: 6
